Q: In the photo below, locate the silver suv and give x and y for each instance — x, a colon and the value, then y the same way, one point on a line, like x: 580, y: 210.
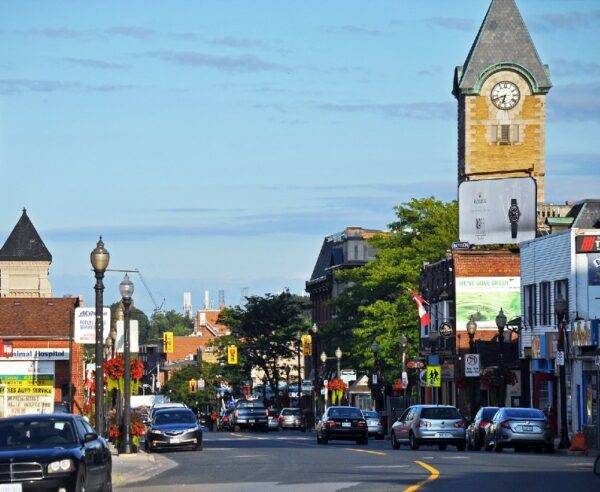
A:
x: 429, y: 424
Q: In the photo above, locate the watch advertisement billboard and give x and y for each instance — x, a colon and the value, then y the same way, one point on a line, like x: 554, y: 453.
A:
x: 483, y: 297
x: 497, y: 211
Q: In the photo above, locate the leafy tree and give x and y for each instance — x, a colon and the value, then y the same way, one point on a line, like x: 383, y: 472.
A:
x: 264, y: 330
x: 171, y: 320
x: 378, y: 304
x: 177, y: 387
x: 137, y: 314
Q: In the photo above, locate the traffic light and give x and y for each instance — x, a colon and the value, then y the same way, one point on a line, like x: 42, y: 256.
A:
x: 306, y: 345
x: 193, y: 386
x: 168, y: 342
x: 232, y: 354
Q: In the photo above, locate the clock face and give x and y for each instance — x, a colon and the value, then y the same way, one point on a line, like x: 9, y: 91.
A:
x: 505, y: 95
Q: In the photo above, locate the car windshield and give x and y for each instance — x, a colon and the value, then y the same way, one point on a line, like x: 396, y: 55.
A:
x: 524, y: 413
x: 36, y: 433
x: 488, y: 413
x: 440, y: 413
x: 371, y: 415
x: 291, y: 411
x: 174, y: 417
x: 345, y: 413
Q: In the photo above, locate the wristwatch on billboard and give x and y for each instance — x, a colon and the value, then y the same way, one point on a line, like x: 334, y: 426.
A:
x: 514, y: 214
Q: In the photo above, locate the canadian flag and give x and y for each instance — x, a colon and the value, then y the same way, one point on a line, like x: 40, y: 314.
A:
x: 423, y: 314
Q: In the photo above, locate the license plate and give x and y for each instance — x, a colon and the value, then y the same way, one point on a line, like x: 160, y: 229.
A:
x: 175, y: 439
x: 346, y: 424
x: 11, y: 487
x: 251, y: 421
x: 443, y: 434
x: 528, y: 428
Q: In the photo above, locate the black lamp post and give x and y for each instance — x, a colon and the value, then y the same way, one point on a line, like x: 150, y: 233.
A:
x: 501, y: 324
x: 561, y: 307
x: 264, y: 381
x: 298, y: 343
x: 338, y: 356
x: 404, y: 345
x: 126, y: 290
x: 287, y: 381
x: 315, y: 364
x: 99, y: 257
x: 377, y: 387
x: 471, y: 330
x: 433, y: 341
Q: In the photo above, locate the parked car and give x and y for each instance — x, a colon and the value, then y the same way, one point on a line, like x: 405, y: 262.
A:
x: 173, y: 427
x: 249, y: 414
x: 429, y: 424
x: 476, y: 430
x: 292, y: 418
x: 374, y: 423
x: 345, y: 423
x: 54, y: 451
x: 519, y: 428
x: 273, y: 419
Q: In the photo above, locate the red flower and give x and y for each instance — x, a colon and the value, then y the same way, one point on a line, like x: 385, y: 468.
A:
x: 115, y: 368
x: 137, y: 369
x: 336, y: 384
x: 138, y: 429
x: 114, y: 432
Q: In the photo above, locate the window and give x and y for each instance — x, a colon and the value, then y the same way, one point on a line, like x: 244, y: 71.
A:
x: 561, y: 289
x: 356, y: 257
x: 504, y: 134
x: 529, y: 305
x: 440, y: 413
x: 545, y: 312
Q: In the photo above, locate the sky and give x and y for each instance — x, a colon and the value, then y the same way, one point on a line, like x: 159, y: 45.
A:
x: 214, y: 144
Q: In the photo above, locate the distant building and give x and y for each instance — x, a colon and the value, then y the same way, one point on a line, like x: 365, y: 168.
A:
x: 347, y: 249
x: 25, y: 262
x: 187, y: 304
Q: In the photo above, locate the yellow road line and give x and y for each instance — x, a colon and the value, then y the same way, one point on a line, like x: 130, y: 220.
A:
x: 434, y: 474
x: 378, y: 453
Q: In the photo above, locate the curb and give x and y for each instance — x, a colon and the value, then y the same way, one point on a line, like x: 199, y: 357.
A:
x: 139, y: 467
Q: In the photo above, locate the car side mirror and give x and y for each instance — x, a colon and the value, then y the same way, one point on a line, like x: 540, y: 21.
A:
x: 90, y: 436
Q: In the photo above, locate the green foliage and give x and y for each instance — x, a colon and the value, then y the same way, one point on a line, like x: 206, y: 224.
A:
x: 178, y: 390
x: 169, y: 321
x: 137, y: 314
x: 378, y: 304
x: 264, y: 331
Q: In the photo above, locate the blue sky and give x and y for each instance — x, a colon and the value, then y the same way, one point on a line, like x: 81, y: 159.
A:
x: 214, y: 144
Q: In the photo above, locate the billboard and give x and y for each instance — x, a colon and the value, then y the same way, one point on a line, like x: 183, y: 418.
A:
x: 497, y: 211
x: 26, y: 387
x: 85, y: 325
x: 483, y: 297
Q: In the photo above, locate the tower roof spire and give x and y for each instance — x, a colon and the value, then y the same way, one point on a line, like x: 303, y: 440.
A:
x: 503, y: 41
x: 24, y: 243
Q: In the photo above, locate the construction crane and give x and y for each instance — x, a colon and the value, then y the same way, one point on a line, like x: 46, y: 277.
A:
x: 158, y: 309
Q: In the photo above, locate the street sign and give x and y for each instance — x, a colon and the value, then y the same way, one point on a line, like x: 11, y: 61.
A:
x: 433, y: 376
x: 192, y: 386
x: 422, y: 377
x: 348, y: 375
x: 201, y: 384
x: 232, y: 355
x: 306, y: 345
x: 415, y: 364
x: 560, y: 358
x: 374, y: 379
x: 446, y: 330
x: 134, y: 337
x: 168, y: 342
x: 472, y: 366
x: 404, y: 379
x: 84, y: 330
x: 461, y: 245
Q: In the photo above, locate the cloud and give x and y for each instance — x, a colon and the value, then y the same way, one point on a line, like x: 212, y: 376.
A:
x: 51, y: 32
x: 567, y: 20
x: 351, y: 29
x: 573, y: 165
x: 239, y: 63
x: 93, y: 63
x: 192, y: 210
x: 563, y: 67
x: 235, y: 42
x: 130, y: 32
x: 575, y: 102
x: 419, y: 110
x: 452, y: 23
x: 18, y: 86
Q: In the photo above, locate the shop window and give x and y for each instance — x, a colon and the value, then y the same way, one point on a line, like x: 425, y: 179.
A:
x: 530, y: 305
x: 545, y: 311
x: 561, y: 289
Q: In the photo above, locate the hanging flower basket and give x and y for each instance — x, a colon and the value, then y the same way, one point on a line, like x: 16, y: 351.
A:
x: 115, y: 374
x: 337, y: 388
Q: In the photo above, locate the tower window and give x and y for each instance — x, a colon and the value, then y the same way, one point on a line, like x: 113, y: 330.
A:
x: 504, y: 134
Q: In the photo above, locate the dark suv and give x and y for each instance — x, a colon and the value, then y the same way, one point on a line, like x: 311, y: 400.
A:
x: 249, y: 415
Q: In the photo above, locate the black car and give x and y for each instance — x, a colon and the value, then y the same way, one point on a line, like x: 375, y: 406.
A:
x: 52, y: 452
x: 173, y: 427
x: 250, y: 414
x: 346, y: 423
x: 476, y: 431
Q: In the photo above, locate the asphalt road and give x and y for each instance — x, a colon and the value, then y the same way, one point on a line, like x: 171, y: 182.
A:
x: 292, y: 461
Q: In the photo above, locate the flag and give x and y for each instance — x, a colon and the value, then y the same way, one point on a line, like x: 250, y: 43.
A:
x: 423, y: 314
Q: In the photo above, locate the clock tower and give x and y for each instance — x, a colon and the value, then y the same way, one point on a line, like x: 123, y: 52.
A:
x: 501, y: 92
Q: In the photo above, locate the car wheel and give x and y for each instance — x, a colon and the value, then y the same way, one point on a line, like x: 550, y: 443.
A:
x: 107, y: 486
x: 470, y: 446
x: 414, y: 442
x: 395, y: 443
x: 236, y: 428
x: 80, y: 481
x: 461, y: 446
x: 486, y: 444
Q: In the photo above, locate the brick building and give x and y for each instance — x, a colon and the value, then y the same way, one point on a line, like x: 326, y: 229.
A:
x: 40, y: 365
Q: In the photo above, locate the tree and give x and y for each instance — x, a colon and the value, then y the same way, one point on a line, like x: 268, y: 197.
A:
x: 171, y: 320
x: 378, y: 304
x: 265, y: 331
x: 177, y: 387
x: 136, y: 314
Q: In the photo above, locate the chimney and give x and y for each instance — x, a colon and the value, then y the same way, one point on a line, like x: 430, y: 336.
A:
x: 206, y: 299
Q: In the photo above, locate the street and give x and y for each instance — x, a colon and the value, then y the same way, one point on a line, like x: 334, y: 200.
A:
x: 292, y: 461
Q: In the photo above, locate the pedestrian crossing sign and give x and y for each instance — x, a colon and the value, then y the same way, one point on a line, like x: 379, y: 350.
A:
x: 433, y: 376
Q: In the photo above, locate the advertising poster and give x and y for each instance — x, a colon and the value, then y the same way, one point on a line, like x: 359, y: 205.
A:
x: 483, y: 297
x: 26, y: 387
x: 85, y: 325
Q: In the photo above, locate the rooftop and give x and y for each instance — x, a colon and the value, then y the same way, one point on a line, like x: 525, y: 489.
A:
x: 24, y: 243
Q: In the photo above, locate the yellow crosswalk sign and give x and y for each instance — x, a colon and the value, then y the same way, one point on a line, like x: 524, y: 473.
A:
x: 433, y: 376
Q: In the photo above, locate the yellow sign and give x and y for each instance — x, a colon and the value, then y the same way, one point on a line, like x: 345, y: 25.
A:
x: 433, y: 376
x: 193, y: 386
x: 232, y: 355
x: 306, y: 345
x: 168, y: 342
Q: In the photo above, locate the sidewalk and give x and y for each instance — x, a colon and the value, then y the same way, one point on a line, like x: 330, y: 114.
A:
x: 131, y: 468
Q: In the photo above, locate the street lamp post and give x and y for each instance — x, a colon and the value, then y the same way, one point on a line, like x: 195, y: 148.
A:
x: 126, y: 290
x: 287, y: 381
x: 560, y: 307
x: 315, y: 365
x: 338, y: 356
x: 501, y: 324
x: 375, y: 350
x: 433, y: 340
x: 471, y: 330
x: 404, y: 345
x: 299, y: 343
x: 324, y: 369
x: 99, y: 257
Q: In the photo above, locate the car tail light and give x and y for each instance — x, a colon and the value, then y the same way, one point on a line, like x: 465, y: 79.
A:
x: 361, y: 423
x: 424, y: 423
x: 483, y: 424
x: 459, y: 425
x: 505, y: 424
x: 331, y: 424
